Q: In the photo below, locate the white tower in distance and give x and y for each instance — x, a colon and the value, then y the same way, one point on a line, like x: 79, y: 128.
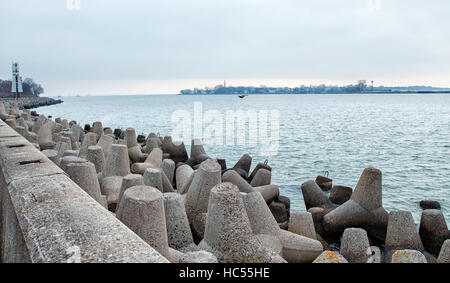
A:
x: 16, y: 86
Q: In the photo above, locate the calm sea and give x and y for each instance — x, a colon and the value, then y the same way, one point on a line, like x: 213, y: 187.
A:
x: 406, y: 136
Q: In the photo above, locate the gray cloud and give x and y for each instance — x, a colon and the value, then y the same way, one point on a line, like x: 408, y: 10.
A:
x: 111, y: 40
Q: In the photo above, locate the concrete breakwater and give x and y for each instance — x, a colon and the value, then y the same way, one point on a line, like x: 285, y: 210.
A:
x: 29, y: 102
x: 180, y: 207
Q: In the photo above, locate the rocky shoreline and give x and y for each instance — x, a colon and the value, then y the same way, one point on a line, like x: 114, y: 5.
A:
x: 195, y: 209
x: 29, y: 102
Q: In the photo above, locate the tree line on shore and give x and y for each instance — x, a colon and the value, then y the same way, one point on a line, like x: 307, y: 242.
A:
x: 30, y: 88
x: 361, y: 86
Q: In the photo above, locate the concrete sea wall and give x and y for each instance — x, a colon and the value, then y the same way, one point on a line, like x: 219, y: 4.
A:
x: 46, y: 217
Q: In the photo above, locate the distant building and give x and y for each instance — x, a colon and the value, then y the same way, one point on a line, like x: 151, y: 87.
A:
x: 16, y: 86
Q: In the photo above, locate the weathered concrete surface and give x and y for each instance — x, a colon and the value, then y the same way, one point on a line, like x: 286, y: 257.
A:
x: 228, y: 233
x: 355, y: 245
x: 198, y: 257
x: 46, y: 217
x: 408, y: 256
x: 330, y: 257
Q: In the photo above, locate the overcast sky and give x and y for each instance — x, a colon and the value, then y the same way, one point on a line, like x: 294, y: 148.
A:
x: 162, y: 46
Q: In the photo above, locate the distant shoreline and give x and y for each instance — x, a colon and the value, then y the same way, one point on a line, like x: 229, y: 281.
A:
x: 374, y: 92
x: 255, y: 94
x: 361, y: 87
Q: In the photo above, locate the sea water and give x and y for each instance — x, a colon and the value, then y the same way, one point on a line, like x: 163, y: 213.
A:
x: 406, y: 136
